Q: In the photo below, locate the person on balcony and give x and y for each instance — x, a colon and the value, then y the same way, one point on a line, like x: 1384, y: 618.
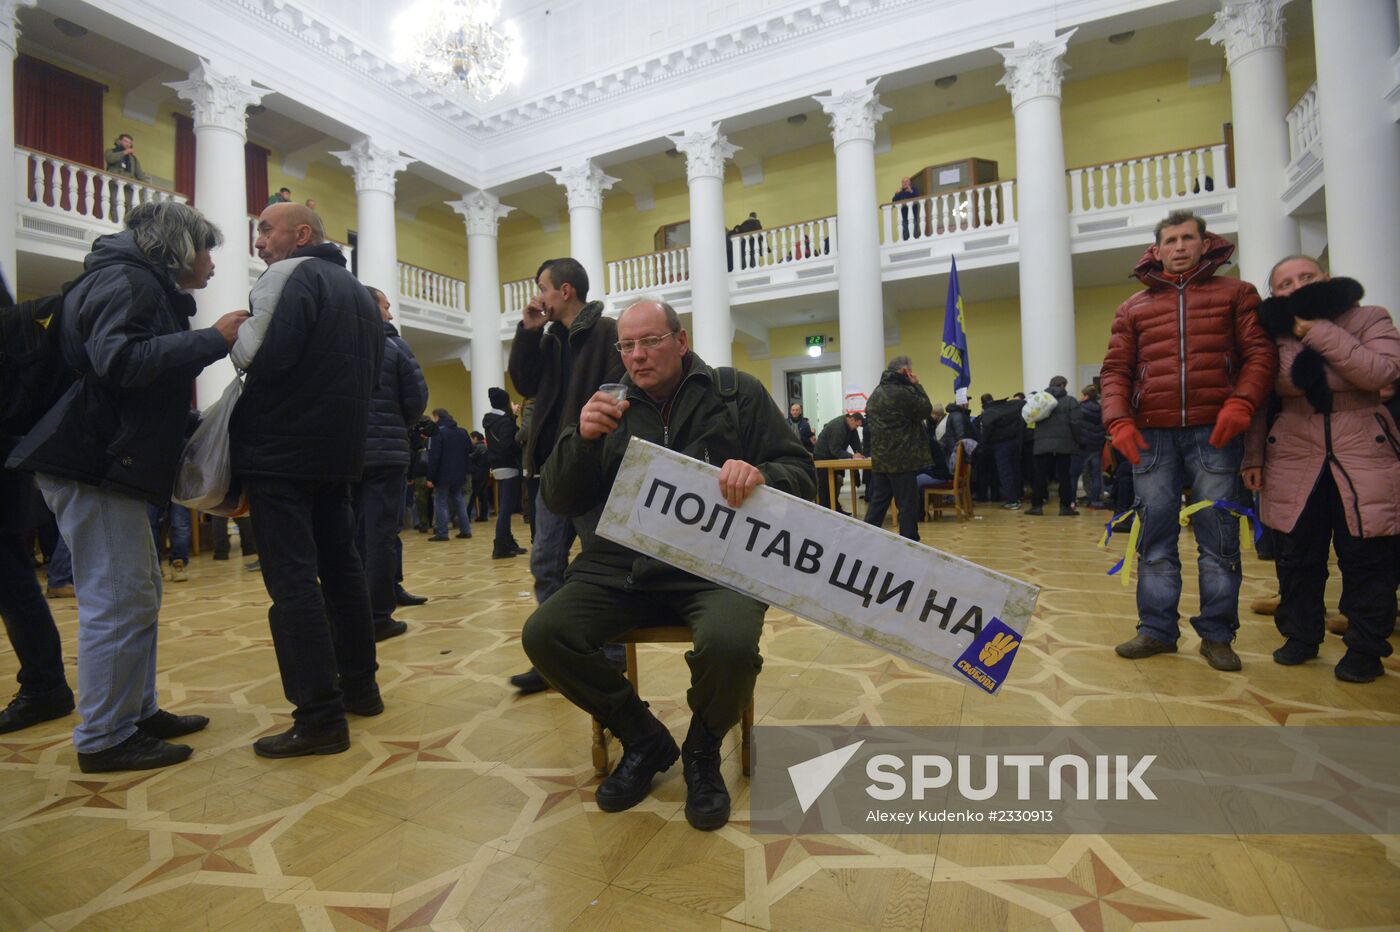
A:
x: 1328, y: 466
x: 906, y: 192
x: 121, y: 159
x: 728, y: 418
x: 1186, y: 368
x: 313, y: 352
x: 564, y: 348
x: 748, y: 249
x: 112, y: 444
x: 283, y: 196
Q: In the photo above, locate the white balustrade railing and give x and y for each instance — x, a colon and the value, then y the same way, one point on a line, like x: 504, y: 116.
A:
x: 426, y: 287
x: 648, y: 272
x: 1149, y: 179
x: 1304, y: 126
x: 73, y: 188
x: 982, y: 207
x: 796, y: 242
x: 515, y: 295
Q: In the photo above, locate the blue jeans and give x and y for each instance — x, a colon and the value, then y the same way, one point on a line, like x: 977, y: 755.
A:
x: 60, y: 564
x: 1008, y: 459
x: 117, y: 576
x: 179, y: 528
x: 549, y: 554
x: 1178, y: 458
x: 1092, y: 470
x: 453, y: 497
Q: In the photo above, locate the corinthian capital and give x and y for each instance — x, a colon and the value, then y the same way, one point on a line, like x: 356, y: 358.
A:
x: 705, y: 151
x: 1245, y: 26
x: 481, y: 212
x: 585, y: 183
x: 1035, y: 69
x: 853, y: 113
x: 9, y: 23
x: 218, y: 99
x: 374, y: 166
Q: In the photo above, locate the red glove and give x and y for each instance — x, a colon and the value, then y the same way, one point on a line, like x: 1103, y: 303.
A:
x: 1232, y: 421
x: 1127, y: 440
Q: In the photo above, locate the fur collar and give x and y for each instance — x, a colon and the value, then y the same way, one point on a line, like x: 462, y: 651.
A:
x: 1317, y: 301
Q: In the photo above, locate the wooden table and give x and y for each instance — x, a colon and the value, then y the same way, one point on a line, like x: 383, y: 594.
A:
x: 853, y: 466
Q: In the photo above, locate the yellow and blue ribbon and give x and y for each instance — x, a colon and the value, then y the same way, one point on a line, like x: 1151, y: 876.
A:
x: 1249, y: 528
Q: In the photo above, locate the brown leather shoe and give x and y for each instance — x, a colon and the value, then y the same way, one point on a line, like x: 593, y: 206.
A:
x: 1143, y: 646
x: 1221, y: 656
x: 1266, y: 605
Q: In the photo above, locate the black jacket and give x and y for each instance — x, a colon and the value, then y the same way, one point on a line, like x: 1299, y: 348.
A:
x: 126, y: 330
x: 1091, y: 429
x: 502, y: 447
x: 836, y: 440
x: 538, y: 372
x: 398, y: 401
x: 313, y: 362
x: 803, y: 429
x: 1001, y: 421
x: 1059, y: 432
x: 448, y: 454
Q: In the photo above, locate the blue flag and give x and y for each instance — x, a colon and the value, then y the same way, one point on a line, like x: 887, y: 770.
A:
x: 954, y: 351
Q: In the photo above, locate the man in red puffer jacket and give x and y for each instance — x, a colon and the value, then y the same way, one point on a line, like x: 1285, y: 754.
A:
x: 1187, y: 365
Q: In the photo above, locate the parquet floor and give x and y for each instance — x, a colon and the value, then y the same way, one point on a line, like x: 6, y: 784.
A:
x: 466, y: 807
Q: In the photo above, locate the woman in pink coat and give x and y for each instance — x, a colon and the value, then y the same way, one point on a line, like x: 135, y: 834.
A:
x: 1330, y: 463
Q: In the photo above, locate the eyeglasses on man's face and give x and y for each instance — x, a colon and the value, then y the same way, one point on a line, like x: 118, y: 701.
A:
x: 626, y: 347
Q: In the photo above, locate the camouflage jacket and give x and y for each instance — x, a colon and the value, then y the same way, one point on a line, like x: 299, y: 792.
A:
x: 895, y: 416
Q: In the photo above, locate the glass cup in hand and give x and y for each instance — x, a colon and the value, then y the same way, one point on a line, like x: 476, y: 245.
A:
x: 616, y: 389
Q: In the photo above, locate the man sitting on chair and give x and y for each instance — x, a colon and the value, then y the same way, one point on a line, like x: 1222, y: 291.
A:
x: 720, y: 416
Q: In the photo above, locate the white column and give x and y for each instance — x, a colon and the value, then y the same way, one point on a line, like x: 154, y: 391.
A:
x: 705, y: 151
x: 1361, y: 144
x: 9, y: 212
x: 1033, y: 74
x: 377, y: 241
x: 860, y: 295
x: 220, y: 102
x: 482, y: 212
x: 1252, y: 33
x: 585, y: 183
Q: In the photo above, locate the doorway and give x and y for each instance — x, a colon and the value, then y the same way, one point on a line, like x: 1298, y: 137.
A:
x: 819, y: 393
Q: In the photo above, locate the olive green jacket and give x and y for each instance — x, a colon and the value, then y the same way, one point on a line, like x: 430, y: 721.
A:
x: 895, y: 416
x: 579, y: 473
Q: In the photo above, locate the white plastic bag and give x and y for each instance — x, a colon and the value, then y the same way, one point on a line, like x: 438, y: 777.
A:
x: 204, y: 480
x: 1038, y: 407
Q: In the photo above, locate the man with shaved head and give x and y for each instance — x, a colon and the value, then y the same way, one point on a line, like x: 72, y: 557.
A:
x: 727, y: 419
x: 312, y: 350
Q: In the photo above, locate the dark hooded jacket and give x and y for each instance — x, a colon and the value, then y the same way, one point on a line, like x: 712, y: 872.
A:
x: 894, y: 417
x: 304, y: 413
x: 126, y: 330
x: 449, y: 454
x: 539, y: 370
x: 398, y: 401
x: 1183, y: 346
x: 1059, y: 432
x: 1091, y: 430
x: 1001, y: 421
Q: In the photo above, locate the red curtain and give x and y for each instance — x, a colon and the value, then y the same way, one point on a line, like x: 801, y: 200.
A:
x: 184, y: 156
x: 58, y: 112
x: 255, y: 170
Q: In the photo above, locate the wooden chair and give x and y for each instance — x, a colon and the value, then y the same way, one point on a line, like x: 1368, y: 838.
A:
x: 957, y: 492
x: 678, y: 634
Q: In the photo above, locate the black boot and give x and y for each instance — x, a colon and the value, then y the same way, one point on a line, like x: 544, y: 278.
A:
x: 706, y: 797
x: 503, y: 550
x: 647, y: 749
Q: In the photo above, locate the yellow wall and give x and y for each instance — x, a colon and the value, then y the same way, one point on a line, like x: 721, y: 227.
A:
x: 450, y: 387
x: 984, y: 132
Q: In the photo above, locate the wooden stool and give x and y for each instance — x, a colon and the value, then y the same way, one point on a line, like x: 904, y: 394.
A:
x: 678, y: 634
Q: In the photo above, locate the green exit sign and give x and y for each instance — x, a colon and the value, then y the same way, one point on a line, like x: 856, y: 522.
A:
x: 816, y: 341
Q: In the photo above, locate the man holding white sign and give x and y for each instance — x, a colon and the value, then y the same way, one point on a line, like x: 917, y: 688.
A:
x: 719, y: 416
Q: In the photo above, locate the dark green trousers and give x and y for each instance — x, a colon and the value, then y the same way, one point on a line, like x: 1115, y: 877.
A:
x: 564, y: 639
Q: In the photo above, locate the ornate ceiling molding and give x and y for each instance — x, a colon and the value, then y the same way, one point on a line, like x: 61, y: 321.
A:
x: 1036, y: 69
x: 585, y: 183
x: 1245, y: 26
x: 853, y: 113
x: 705, y: 151
x: 375, y: 167
x: 218, y: 99
x: 481, y: 212
x: 9, y: 23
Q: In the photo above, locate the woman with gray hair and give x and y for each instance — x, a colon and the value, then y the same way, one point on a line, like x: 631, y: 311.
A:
x: 111, y: 444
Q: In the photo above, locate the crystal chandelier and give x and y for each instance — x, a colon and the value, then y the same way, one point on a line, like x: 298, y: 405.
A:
x: 459, y: 44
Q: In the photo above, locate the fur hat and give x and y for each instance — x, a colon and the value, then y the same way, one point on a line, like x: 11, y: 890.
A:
x: 1325, y: 300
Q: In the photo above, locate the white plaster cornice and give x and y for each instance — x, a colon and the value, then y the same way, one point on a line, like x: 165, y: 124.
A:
x: 218, y: 99
x: 1035, y: 69
x: 481, y: 212
x: 705, y: 150
x: 853, y: 113
x: 375, y: 166
x: 9, y: 23
x: 1245, y: 26
x: 585, y: 183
